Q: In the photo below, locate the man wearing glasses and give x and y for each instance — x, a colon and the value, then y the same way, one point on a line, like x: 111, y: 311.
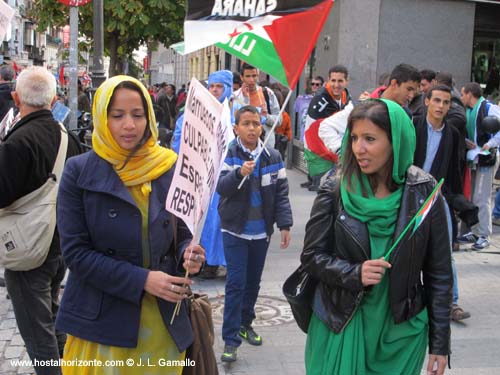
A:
x: 316, y: 83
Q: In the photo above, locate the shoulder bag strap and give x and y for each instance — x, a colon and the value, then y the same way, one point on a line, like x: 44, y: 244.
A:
x: 61, y: 154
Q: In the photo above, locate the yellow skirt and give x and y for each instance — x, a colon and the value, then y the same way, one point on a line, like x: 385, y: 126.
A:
x: 155, y: 353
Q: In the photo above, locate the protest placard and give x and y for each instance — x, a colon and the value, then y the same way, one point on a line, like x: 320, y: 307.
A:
x: 6, y: 15
x: 205, y: 136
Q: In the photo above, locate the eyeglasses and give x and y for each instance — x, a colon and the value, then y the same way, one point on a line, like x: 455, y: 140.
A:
x: 315, y: 84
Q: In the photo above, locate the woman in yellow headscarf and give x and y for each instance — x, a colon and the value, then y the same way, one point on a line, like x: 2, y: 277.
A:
x: 118, y: 242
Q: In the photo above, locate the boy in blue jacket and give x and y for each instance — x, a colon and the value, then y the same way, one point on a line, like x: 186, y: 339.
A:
x: 247, y: 219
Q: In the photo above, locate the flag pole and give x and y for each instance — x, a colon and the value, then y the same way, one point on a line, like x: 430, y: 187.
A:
x: 195, y: 240
x: 288, y: 96
x: 412, y: 221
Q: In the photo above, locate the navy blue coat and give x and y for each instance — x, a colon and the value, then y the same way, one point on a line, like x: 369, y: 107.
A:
x: 100, y: 229
x: 234, y: 203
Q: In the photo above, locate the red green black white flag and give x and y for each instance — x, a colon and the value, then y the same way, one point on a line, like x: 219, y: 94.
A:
x: 426, y: 207
x: 276, y: 36
x: 418, y: 218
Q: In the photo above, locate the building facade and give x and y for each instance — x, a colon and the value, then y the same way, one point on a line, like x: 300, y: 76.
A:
x: 370, y: 37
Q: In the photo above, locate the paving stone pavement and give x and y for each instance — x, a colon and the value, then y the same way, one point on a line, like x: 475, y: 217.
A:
x: 475, y: 342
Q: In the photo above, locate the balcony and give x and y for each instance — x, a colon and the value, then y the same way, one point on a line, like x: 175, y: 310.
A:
x: 36, y: 54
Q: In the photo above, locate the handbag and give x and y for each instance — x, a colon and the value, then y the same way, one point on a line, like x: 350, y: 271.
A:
x: 27, y: 226
x: 201, y: 352
x: 300, y: 286
x: 299, y: 290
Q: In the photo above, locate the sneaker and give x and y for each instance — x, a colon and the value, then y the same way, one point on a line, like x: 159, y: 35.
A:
x: 467, y: 238
x: 480, y: 244
x: 229, y: 354
x: 313, y: 188
x: 458, y: 314
x: 250, y: 335
x: 495, y: 220
x: 306, y: 184
x: 222, y: 272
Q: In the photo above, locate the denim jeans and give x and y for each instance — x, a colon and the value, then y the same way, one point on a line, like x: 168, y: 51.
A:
x: 34, y: 295
x: 453, y: 267
x: 245, y: 263
x: 496, y: 209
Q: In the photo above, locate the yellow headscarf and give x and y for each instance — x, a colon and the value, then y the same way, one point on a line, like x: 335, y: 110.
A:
x: 149, y: 162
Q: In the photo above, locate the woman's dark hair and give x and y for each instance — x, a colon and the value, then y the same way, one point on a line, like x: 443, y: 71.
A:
x: 375, y: 111
x: 147, y: 132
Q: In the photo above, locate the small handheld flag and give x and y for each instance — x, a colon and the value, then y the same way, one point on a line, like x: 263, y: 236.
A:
x: 419, y: 217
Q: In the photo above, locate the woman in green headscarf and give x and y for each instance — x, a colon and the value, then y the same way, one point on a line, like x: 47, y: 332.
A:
x: 372, y: 316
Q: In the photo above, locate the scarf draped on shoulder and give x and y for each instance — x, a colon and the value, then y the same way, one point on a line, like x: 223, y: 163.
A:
x: 149, y: 162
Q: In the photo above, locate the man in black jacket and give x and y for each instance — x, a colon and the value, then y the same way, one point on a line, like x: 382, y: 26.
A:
x: 329, y: 99
x: 437, y: 152
x: 167, y: 101
x: 6, y: 87
x: 27, y: 157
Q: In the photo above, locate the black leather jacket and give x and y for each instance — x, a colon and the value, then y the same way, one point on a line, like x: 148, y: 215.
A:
x: 336, y: 245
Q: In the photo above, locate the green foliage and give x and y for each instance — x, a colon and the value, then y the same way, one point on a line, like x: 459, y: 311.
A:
x: 127, y: 23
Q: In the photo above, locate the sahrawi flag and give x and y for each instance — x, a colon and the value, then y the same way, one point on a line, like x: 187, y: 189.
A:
x: 276, y: 36
x: 426, y: 207
x: 419, y: 217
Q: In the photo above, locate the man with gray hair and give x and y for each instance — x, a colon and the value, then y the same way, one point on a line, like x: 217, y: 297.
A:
x: 6, y: 87
x: 27, y: 157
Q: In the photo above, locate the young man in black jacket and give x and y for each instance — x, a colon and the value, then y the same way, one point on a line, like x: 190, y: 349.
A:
x: 437, y: 152
x: 27, y: 157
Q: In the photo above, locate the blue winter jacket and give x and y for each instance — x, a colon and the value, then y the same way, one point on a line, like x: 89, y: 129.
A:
x: 100, y: 229
x: 234, y: 204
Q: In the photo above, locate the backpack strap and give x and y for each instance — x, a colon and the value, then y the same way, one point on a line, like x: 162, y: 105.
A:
x: 266, y: 97
x: 61, y: 154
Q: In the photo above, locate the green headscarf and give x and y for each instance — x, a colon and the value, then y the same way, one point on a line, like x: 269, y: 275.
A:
x: 381, y: 214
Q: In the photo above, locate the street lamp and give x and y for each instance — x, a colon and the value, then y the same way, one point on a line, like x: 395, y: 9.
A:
x: 97, y: 71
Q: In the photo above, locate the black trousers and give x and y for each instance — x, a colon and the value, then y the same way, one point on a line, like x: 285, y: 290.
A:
x: 35, y: 299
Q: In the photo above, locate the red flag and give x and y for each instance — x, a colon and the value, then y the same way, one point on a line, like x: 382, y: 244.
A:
x: 62, y: 81
x: 15, y: 67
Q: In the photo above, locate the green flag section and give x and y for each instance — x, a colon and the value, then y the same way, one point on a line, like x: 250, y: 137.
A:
x: 316, y: 164
x: 276, y: 36
x: 259, y: 51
